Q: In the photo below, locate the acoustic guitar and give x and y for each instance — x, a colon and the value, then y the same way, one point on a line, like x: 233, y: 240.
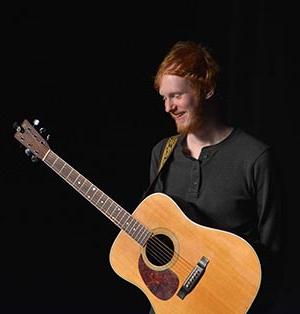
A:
x: 182, y: 267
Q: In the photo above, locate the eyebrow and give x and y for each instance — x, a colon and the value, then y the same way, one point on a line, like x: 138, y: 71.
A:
x: 172, y: 93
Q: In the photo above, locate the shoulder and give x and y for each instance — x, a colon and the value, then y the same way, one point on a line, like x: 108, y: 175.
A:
x: 158, y: 148
x: 249, y: 146
x: 246, y: 139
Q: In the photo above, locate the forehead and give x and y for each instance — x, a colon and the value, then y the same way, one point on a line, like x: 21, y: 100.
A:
x: 173, y: 83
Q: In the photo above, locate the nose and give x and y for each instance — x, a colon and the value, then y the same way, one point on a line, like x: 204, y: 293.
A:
x: 169, y: 105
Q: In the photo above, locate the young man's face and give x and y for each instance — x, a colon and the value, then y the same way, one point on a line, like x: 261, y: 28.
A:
x: 181, y: 101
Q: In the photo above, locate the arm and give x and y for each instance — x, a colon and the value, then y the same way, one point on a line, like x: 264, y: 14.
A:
x: 269, y: 194
x: 269, y: 199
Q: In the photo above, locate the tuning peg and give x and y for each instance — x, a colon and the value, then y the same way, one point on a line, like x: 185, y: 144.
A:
x: 34, y: 158
x: 17, y: 127
x: 41, y: 130
x: 30, y: 154
x: 36, y: 122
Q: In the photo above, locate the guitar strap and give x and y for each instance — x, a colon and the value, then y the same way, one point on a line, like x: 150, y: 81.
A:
x: 169, y: 147
x: 171, y: 142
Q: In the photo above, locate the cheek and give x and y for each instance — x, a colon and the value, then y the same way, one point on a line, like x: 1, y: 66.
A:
x: 192, y: 105
x: 185, y: 104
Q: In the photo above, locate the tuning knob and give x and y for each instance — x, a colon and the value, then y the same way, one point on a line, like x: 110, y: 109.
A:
x: 41, y: 130
x: 36, y: 122
x: 34, y: 158
x: 17, y: 127
x: 30, y: 154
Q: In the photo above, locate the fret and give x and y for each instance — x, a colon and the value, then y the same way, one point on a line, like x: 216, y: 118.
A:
x: 85, y: 187
x: 96, y: 197
x: 107, y: 206
x: 51, y: 158
x: 124, y: 220
x: 123, y: 212
x: 145, y: 237
x: 79, y: 181
x: 137, y: 231
x: 119, y: 210
x: 133, y: 229
x: 91, y: 192
x: 102, y: 200
x: 73, y: 176
x: 58, y: 164
x: 115, y: 219
x: 56, y: 158
x: 112, y: 212
x: 129, y: 224
x: 65, y: 171
x: 61, y: 170
x: 67, y: 177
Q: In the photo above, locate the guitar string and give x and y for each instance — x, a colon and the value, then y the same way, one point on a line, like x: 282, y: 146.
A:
x: 160, y: 257
x: 161, y: 252
x: 162, y: 248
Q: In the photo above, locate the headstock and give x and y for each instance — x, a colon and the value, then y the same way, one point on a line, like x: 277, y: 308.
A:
x: 30, y: 136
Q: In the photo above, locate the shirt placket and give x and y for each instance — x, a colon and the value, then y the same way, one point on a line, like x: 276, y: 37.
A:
x: 195, y: 177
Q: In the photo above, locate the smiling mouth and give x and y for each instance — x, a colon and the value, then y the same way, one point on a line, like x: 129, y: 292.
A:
x: 177, y: 116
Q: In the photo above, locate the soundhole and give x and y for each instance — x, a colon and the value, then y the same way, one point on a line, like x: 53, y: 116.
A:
x: 159, y: 249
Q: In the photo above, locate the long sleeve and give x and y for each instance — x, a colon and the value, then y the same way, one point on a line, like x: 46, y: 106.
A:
x: 271, y: 228
x: 269, y: 198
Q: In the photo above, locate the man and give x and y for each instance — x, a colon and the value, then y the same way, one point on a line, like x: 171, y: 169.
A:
x: 219, y: 175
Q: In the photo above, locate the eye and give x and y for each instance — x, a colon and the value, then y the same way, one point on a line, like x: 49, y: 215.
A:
x: 178, y: 96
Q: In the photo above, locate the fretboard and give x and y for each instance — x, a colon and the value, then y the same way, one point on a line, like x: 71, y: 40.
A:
x: 118, y: 215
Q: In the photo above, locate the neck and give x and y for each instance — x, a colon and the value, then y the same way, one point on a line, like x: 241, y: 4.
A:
x: 208, y: 134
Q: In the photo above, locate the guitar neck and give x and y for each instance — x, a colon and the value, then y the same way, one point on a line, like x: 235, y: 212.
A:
x: 118, y: 215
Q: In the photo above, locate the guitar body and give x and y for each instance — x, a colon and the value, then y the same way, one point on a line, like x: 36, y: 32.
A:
x: 228, y: 284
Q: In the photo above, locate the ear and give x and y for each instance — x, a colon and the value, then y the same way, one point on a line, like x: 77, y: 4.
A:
x: 210, y: 93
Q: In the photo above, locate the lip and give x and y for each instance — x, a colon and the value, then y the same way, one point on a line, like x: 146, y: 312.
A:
x: 178, y: 116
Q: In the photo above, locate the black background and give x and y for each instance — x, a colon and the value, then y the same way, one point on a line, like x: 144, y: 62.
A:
x: 85, y: 71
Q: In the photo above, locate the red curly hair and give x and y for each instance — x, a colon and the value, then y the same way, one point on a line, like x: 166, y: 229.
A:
x: 192, y: 61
